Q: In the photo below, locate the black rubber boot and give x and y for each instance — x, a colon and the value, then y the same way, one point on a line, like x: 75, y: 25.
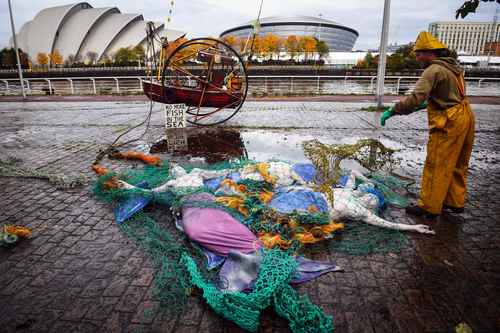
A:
x: 417, y: 211
x: 456, y: 210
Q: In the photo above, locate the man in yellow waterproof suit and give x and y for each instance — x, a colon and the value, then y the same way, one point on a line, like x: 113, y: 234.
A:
x: 451, y: 128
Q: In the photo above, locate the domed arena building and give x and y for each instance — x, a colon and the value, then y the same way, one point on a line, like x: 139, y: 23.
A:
x: 338, y: 37
x: 78, y: 29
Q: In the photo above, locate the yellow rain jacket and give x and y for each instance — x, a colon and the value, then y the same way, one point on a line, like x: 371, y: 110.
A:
x: 451, y: 134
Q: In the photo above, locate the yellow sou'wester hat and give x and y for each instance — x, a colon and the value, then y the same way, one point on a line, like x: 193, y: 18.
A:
x: 426, y: 41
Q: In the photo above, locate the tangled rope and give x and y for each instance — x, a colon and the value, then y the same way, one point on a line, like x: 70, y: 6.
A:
x: 9, y: 168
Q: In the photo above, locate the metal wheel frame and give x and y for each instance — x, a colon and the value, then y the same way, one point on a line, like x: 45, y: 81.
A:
x: 166, y: 67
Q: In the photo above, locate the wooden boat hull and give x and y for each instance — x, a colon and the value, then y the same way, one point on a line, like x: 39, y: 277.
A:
x: 191, y: 97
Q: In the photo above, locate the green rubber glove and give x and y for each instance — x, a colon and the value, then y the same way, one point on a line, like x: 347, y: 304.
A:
x: 388, y: 113
x: 422, y: 106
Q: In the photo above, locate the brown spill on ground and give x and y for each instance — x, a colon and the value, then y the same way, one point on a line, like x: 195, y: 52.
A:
x: 213, y: 144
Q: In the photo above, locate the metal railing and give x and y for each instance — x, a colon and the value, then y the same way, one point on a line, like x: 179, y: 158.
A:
x: 258, y: 85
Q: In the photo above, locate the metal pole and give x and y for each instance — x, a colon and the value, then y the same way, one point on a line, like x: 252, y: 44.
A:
x: 319, y: 33
x: 382, y: 54
x: 17, y: 51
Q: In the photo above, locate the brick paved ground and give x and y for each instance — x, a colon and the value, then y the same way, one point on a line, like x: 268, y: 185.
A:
x: 80, y: 273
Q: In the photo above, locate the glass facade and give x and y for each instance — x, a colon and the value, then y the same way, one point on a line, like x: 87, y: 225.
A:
x: 337, y: 37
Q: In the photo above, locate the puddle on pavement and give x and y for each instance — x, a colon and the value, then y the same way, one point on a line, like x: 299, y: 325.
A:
x: 217, y: 144
x: 211, y: 144
x: 222, y: 144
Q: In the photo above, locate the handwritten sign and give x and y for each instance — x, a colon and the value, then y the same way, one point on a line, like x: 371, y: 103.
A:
x: 175, y: 115
x: 177, y: 140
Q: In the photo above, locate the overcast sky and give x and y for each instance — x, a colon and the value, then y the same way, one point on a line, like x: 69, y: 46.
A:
x: 211, y: 17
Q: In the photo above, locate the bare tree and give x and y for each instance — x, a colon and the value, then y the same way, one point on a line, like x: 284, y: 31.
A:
x: 70, y: 60
x: 92, y: 56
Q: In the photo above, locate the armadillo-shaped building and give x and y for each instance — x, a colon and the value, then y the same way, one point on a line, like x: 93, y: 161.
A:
x: 78, y: 29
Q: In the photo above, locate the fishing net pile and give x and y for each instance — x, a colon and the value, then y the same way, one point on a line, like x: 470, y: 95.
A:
x: 11, y: 167
x: 212, y: 228
x: 370, y: 153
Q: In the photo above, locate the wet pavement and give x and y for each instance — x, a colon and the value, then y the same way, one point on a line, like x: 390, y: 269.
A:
x: 80, y: 273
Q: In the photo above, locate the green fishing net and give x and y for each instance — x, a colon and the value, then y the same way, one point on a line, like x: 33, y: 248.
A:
x: 180, y: 266
x: 360, y: 238
x: 394, y: 188
x: 370, y: 153
x: 165, y: 248
x: 363, y: 239
x: 11, y: 167
x: 271, y: 288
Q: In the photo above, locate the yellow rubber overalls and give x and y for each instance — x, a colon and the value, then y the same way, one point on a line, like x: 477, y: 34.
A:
x: 451, y: 135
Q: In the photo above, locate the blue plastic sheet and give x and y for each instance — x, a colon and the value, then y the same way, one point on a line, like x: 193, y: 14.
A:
x: 213, y: 259
x: 214, y: 183
x: 378, y: 194
x: 131, y: 205
x: 342, y: 181
x: 306, y: 171
x: 310, y: 269
x: 289, y: 199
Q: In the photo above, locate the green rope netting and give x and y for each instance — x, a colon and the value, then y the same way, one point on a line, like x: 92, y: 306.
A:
x: 11, y: 167
x: 255, y: 186
x: 153, y: 175
x: 390, y: 186
x: 364, y: 239
x: 370, y: 153
x: 271, y: 288
x: 180, y: 266
x: 172, y: 284
x: 359, y: 238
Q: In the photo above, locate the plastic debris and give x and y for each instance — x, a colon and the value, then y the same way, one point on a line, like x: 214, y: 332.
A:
x: 299, y: 199
x: 11, y: 234
x: 306, y: 171
x: 215, y: 229
x: 310, y: 269
x: 239, y: 271
x: 225, y: 214
x: 131, y: 205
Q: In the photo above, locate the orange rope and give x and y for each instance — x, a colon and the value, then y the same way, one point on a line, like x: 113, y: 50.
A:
x: 17, y: 230
x: 100, y: 170
x: 134, y: 155
x: 313, y: 235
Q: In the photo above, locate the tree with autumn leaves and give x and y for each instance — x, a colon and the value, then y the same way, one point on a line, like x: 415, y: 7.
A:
x: 54, y: 59
x: 42, y: 59
x: 292, y: 46
x: 270, y: 46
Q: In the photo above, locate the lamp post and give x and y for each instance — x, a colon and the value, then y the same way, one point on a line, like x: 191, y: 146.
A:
x: 382, y: 54
x: 17, y: 51
x: 319, y: 32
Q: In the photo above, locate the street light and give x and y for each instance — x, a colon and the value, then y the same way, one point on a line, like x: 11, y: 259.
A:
x: 382, y: 54
x: 17, y: 50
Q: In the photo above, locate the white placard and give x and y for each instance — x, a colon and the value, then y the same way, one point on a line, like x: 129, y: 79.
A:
x: 175, y: 115
x: 177, y: 139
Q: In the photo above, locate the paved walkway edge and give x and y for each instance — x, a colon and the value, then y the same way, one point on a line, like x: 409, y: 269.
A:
x: 492, y: 100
